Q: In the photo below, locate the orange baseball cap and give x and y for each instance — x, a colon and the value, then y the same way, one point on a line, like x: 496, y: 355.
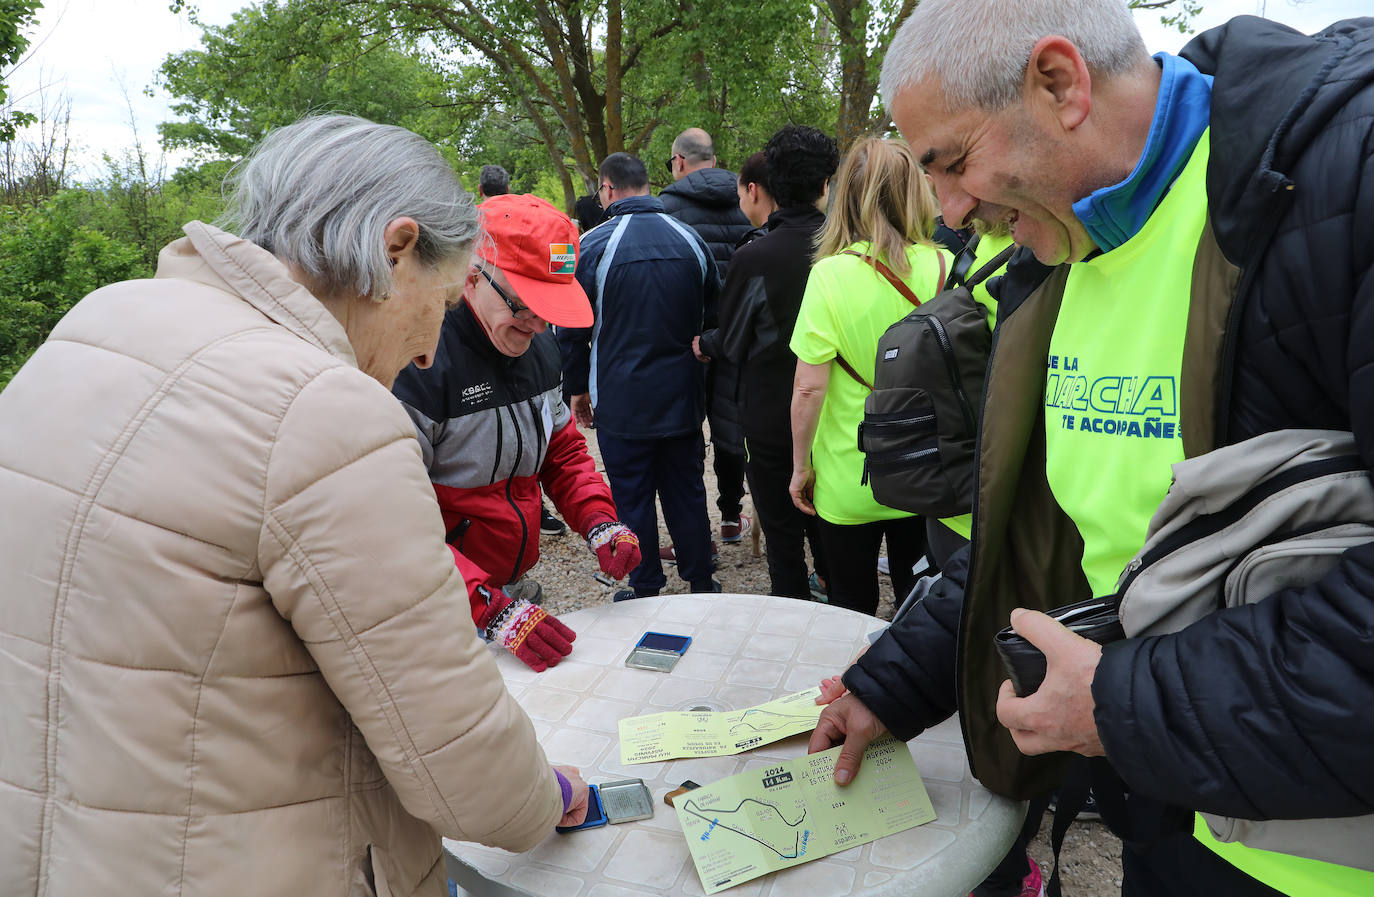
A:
x: 536, y: 247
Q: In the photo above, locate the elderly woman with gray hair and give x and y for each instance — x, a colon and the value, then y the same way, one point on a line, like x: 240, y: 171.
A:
x: 234, y: 647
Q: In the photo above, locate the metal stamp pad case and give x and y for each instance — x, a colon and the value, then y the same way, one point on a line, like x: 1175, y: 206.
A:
x: 626, y: 800
x: 652, y: 659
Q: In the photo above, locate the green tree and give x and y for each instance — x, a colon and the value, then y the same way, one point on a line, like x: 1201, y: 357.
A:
x: 277, y: 61
x: 15, y: 17
x: 52, y: 259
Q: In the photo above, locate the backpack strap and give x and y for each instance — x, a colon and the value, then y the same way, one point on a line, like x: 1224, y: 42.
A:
x: 896, y: 281
x: 963, y: 263
x: 848, y: 369
x: 991, y: 267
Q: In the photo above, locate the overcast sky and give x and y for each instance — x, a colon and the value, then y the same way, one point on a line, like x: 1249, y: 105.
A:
x: 87, y: 48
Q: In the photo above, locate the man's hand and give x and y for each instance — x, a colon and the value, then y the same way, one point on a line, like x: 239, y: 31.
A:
x: 803, y: 489
x: 1058, y: 717
x: 696, y: 349
x: 832, y: 687
x: 848, y: 721
x: 526, y: 630
x: 577, y: 807
x: 616, y: 548
x: 581, y: 406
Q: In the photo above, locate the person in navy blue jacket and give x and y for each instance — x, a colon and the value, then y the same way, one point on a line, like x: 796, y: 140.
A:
x: 632, y: 374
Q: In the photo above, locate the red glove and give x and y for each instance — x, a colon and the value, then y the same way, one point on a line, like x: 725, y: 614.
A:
x: 525, y: 630
x: 616, y: 548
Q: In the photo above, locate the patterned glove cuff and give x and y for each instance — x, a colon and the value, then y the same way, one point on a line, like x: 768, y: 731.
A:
x: 603, y: 534
x: 514, y: 624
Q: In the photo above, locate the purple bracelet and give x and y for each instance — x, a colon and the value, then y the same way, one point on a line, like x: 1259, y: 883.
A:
x: 566, y: 787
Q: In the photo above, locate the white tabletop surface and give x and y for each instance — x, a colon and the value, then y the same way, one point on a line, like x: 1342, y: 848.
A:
x: 746, y: 650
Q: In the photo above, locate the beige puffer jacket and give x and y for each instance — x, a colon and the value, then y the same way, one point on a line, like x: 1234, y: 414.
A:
x: 235, y: 654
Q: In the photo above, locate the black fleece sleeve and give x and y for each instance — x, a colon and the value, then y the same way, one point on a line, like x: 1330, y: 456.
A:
x: 907, y: 677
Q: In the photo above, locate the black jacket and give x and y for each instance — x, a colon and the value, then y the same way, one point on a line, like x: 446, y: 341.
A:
x: 1259, y: 711
x: 708, y: 201
x: 758, y: 309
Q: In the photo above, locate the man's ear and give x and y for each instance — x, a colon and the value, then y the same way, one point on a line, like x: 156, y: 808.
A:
x: 1057, y: 81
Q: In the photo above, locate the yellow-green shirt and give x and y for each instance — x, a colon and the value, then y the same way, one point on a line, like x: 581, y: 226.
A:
x: 986, y: 250
x: 846, y: 308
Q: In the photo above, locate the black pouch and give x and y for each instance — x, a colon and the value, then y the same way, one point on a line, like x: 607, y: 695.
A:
x: 1096, y: 619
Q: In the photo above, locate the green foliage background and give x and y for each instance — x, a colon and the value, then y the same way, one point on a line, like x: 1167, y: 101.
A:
x: 545, y: 88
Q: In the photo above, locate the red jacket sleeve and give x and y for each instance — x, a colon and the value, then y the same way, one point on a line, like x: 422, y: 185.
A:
x: 569, y: 478
x: 478, y: 583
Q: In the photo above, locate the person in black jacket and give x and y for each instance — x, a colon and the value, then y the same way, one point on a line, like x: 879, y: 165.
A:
x: 1257, y: 712
x: 758, y: 309
x: 703, y: 197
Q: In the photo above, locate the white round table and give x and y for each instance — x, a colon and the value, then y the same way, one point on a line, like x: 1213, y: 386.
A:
x: 746, y: 650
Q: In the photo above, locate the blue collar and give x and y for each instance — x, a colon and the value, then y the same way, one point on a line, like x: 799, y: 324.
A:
x: 1112, y: 215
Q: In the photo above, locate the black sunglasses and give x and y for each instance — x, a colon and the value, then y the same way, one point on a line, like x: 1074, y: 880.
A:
x: 519, y: 312
x: 669, y: 164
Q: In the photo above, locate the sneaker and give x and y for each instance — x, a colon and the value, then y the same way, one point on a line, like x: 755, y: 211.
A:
x: 550, y: 525
x: 1033, y: 885
x: 884, y: 567
x: 1089, y: 812
x: 624, y: 595
x: 818, y: 592
x: 735, y: 531
x: 526, y: 588
x: 667, y: 556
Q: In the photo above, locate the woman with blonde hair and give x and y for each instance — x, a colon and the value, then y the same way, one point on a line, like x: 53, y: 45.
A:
x: 874, y: 261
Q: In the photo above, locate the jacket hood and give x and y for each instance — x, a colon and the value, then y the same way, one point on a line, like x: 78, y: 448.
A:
x: 1274, y: 89
x: 708, y: 186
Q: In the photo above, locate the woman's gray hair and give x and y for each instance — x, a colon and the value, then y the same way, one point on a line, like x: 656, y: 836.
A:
x: 978, y: 49
x: 319, y: 194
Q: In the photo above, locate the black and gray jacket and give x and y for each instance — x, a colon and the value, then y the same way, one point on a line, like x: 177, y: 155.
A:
x: 493, y: 430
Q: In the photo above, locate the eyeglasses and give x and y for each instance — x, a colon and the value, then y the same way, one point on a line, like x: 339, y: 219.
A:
x: 605, y: 187
x: 519, y: 312
x: 669, y: 164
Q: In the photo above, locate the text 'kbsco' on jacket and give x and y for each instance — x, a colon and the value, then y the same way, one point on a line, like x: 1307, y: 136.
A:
x: 492, y: 430
x: 232, y: 640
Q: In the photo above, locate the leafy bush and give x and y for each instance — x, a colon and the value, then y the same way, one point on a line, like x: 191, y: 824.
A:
x: 52, y: 259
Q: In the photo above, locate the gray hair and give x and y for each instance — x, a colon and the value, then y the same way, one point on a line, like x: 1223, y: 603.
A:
x: 493, y: 181
x: 979, y: 49
x: 695, y: 145
x: 319, y: 194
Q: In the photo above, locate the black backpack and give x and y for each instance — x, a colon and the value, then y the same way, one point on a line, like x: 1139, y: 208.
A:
x: 920, y: 428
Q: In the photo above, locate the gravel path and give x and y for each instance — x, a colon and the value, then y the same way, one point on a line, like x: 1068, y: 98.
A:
x: 567, y: 569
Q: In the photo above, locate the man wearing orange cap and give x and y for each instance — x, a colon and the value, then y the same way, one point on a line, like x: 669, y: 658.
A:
x: 493, y: 426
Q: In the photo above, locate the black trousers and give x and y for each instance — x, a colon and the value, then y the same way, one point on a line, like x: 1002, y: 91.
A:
x: 785, y: 528
x: 851, y: 553
x: 729, y: 468
x: 672, y: 469
x: 1178, y: 865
